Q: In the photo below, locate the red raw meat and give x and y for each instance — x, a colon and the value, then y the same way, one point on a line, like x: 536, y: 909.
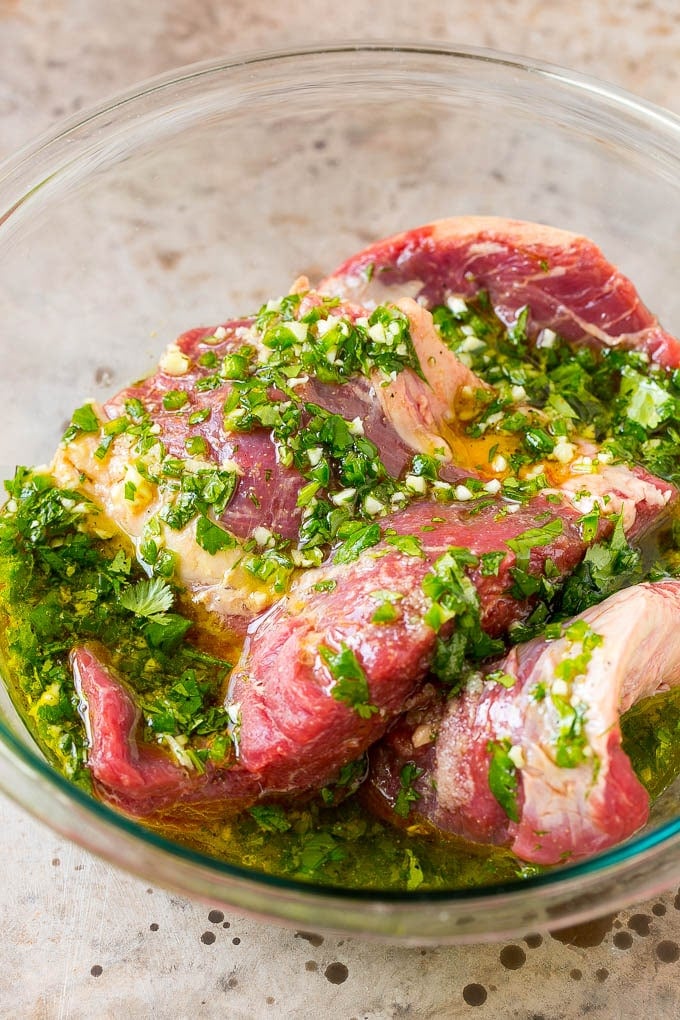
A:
x: 295, y: 731
x: 564, y: 813
x: 136, y: 776
x: 267, y: 491
x: 294, y: 735
x: 564, y: 278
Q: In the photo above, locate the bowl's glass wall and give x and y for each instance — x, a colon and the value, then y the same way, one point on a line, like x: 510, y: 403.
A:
x: 198, y: 198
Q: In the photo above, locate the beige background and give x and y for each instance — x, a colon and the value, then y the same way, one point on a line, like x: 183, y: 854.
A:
x: 82, y: 940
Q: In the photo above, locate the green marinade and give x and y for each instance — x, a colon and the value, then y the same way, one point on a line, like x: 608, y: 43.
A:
x: 59, y: 587
x: 64, y: 582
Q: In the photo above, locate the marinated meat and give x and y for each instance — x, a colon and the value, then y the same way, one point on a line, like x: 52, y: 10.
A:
x: 295, y: 729
x: 181, y: 406
x: 295, y: 722
x: 138, y: 776
x: 459, y: 533
x: 562, y: 277
x: 529, y: 754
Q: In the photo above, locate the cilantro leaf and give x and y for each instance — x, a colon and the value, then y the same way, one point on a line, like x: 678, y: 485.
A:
x: 173, y: 400
x: 499, y: 676
x: 318, y: 850
x: 407, y: 795
x: 503, y: 777
x: 453, y: 596
x: 386, y: 611
x: 409, y: 545
x: 86, y: 419
x: 184, y: 708
x: 211, y: 537
x: 330, y: 584
x: 449, y: 659
x: 351, y: 685
x: 534, y: 538
x: 646, y: 402
x: 166, y: 631
x: 270, y: 817
x: 414, y: 872
x: 361, y: 539
x: 490, y: 563
x: 606, y: 567
x: 150, y: 598
x: 450, y: 590
x: 83, y: 419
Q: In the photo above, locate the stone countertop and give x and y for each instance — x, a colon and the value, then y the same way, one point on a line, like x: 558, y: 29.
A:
x: 82, y: 939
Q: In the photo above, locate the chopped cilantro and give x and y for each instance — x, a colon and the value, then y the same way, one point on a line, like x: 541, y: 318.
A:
x: 184, y: 708
x: 646, y: 401
x: 166, y: 631
x: 534, y: 538
x: 571, y: 742
x: 330, y: 584
x: 212, y: 538
x: 178, y: 514
x: 350, y: 684
x: 490, y: 563
x: 150, y: 598
x: 651, y: 738
x: 538, y: 441
x: 414, y: 876
x: 499, y: 676
x: 607, y: 566
x: 407, y: 795
x: 503, y: 780
x: 208, y: 359
x: 173, y: 400
x: 273, y: 566
x: 453, y: 596
x: 387, y: 611
x: 97, y: 597
x: 319, y: 849
x: 83, y: 419
x: 409, y: 545
x: 200, y: 415
x: 270, y: 817
x: 362, y: 538
x: 196, y: 446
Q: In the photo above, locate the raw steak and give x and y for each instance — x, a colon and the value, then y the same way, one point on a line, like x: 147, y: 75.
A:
x: 575, y: 789
x: 564, y: 279
x: 293, y: 732
x: 320, y: 680
x: 400, y: 416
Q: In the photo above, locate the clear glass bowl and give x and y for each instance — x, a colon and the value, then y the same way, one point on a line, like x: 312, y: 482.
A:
x: 192, y: 198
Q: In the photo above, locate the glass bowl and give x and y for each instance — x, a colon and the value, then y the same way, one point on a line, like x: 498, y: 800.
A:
x: 197, y: 195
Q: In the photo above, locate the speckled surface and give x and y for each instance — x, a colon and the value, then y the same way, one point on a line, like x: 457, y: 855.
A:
x: 81, y: 939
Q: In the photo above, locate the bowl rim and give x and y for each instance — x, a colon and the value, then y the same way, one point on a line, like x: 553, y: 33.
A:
x: 659, y: 115
x: 18, y: 756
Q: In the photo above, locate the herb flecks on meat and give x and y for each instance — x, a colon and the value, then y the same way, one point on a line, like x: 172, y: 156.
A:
x: 374, y: 510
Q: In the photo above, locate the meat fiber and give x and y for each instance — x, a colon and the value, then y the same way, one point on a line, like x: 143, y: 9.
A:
x: 562, y: 277
x: 554, y: 712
